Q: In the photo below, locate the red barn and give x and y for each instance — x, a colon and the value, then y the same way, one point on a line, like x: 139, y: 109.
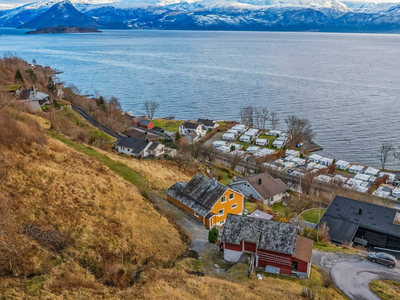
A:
x: 277, y: 246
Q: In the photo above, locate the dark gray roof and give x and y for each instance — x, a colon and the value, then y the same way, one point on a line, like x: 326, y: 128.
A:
x: 199, y: 194
x: 190, y: 125
x: 153, y: 146
x: 206, y: 122
x: 343, y: 219
x: 136, y: 145
x: 140, y: 134
x: 268, y: 235
x: 24, y: 94
x: 144, y: 122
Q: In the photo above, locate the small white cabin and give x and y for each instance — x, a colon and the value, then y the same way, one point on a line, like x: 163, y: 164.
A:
x: 217, y: 144
x: 315, y: 158
x: 342, y: 164
x: 262, y: 142
x: 229, y: 137
x: 279, y: 144
x: 363, y: 177
x: 246, y: 138
x: 326, y: 161
x: 274, y: 132
x: 356, y: 169
x: 252, y: 149
x: 294, y: 153
x: 392, y: 177
x: 371, y: 171
x: 267, y: 151
x: 237, y: 146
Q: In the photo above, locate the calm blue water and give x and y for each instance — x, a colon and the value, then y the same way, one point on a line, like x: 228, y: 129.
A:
x: 346, y: 84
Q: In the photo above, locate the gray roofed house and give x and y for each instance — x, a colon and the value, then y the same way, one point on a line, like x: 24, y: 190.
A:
x: 369, y: 224
x: 275, y: 245
x: 268, y: 235
x: 133, y: 147
x: 189, y: 128
x: 200, y: 196
x: 262, y: 187
x: 209, y: 124
x: 33, y: 95
x: 137, y: 133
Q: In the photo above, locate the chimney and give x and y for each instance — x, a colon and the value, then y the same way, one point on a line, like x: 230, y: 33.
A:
x: 214, y: 182
x: 360, y: 211
x: 259, y: 181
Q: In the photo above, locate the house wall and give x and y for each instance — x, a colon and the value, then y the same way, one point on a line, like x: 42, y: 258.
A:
x: 177, y: 203
x: 302, y: 266
x: 278, y: 260
x: 275, y: 199
x: 232, y: 255
x: 124, y: 150
x: 234, y: 247
x: 238, y: 199
x: 250, y: 247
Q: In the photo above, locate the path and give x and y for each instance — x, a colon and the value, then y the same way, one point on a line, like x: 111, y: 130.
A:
x: 352, y: 274
x: 216, y: 137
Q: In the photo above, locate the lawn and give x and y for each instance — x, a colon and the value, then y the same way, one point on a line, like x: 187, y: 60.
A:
x: 250, y: 206
x: 385, y: 289
x: 9, y: 88
x: 262, y: 136
x: 169, y: 125
x: 313, y: 215
x: 279, y: 207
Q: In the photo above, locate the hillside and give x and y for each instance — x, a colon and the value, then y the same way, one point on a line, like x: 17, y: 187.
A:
x: 78, y: 221
x: 64, y: 29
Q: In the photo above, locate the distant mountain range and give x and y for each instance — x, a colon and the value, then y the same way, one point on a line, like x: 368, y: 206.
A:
x: 277, y: 15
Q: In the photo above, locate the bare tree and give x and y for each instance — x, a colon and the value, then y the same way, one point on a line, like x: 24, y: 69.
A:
x: 385, y: 151
x: 257, y: 117
x: 150, y: 107
x: 307, y: 183
x: 274, y: 120
x: 264, y: 116
x: 234, y: 160
x: 299, y: 129
x: 247, y: 115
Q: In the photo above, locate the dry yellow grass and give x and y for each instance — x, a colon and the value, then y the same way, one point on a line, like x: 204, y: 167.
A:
x: 160, y: 175
x: 44, y: 123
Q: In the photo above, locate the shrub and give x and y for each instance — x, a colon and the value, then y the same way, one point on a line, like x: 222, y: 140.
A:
x: 306, y: 231
x: 213, y: 235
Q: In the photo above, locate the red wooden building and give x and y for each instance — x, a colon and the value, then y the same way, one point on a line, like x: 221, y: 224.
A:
x: 276, y: 246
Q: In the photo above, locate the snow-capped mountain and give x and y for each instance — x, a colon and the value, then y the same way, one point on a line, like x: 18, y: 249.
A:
x: 294, y: 15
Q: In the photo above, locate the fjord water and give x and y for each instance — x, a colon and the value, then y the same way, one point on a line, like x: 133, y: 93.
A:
x: 346, y: 84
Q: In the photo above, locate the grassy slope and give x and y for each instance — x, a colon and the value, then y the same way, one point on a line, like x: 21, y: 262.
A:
x: 163, y: 124
x: 313, y: 215
x: 385, y: 289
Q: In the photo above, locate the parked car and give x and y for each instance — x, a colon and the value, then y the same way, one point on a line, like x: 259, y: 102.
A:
x: 382, y: 258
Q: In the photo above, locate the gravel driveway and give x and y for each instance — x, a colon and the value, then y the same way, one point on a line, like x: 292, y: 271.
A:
x: 352, y: 274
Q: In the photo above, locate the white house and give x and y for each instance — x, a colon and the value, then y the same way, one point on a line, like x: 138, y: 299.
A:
x: 229, y: 137
x: 252, y: 149
x: 187, y: 127
x: 319, y: 167
x: 363, y: 177
x: 293, y: 153
x: 298, y: 161
x: 371, y: 171
x: 266, y: 151
x: 288, y: 165
x: 261, y: 187
x: 315, y: 158
x: 224, y: 149
x: 246, y: 138
x: 262, y: 142
x: 208, y: 124
x: 217, y: 144
x: 240, y: 128
x: 134, y: 147
x: 274, y: 132
x: 253, y: 132
x: 156, y: 149
x: 326, y: 161
x: 356, y: 169
x: 342, y: 164
x: 279, y: 144
x: 396, y: 192
x: 234, y: 131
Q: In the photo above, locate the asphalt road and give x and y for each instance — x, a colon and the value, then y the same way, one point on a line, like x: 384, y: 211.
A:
x: 352, y: 274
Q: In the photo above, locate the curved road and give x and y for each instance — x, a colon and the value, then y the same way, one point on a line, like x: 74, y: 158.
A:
x: 96, y: 124
x: 352, y: 274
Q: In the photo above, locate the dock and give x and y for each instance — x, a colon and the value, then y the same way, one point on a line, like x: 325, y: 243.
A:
x: 168, y: 118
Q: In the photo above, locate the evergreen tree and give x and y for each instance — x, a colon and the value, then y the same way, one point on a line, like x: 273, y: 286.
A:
x: 32, y: 75
x: 51, y: 85
x: 213, y: 235
x: 101, y: 103
x: 19, y: 79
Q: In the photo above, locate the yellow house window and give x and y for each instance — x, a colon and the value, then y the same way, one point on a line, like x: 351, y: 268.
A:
x: 221, y: 211
x: 196, y: 215
x: 223, y: 199
x: 231, y: 196
x: 234, y: 206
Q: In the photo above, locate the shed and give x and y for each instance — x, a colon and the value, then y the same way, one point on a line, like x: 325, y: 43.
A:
x: 229, y: 137
x: 326, y: 161
x: 315, y: 158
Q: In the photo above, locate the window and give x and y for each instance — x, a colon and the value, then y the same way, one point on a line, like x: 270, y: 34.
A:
x: 196, y: 215
x: 221, y: 212
x: 223, y: 199
x: 231, y: 196
x: 234, y: 206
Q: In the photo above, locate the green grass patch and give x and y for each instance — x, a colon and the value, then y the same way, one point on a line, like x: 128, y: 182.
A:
x: 313, y: 215
x: 279, y: 207
x: 344, y: 171
x: 262, y: 136
x: 119, y: 168
x: 328, y: 247
x: 250, y: 206
x: 170, y: 125
x: 9, y: 88
x: 385, y: 289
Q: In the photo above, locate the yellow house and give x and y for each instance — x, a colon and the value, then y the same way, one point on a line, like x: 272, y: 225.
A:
x: 206, y: 199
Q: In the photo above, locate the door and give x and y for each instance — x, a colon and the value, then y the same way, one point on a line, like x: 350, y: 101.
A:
x: 294, y: 266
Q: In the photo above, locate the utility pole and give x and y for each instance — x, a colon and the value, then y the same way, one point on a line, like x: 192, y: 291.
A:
x: 319, y: 217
